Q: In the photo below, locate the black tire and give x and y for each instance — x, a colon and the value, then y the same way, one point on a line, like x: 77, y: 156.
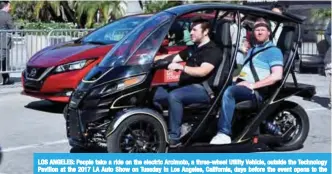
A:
x: 0, y: 154
x: 304, y: 125
x: 150, y: 123
x: 299, y: 67
x: 65, y: 111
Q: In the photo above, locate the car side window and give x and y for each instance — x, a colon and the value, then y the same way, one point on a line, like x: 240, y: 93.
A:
x: 179, y: 34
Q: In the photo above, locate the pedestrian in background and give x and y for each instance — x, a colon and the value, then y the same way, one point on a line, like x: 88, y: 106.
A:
x: 275, y: 36
x: 6, y: 23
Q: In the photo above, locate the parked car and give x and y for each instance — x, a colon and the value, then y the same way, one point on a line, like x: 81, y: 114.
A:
x: 312, y: 51
x: 55, y: 71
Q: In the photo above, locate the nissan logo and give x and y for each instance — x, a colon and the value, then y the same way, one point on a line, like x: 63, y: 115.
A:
x: 33, y: 72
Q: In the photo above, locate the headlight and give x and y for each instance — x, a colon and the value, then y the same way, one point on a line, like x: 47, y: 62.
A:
x: 73, y: 66
x: 117, y: 86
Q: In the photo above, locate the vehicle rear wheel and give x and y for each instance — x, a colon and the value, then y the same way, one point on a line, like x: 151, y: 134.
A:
x: 293, y: 121
x: 138, y: 134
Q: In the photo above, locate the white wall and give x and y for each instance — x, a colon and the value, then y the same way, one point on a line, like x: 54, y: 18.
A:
x: 133, y: 7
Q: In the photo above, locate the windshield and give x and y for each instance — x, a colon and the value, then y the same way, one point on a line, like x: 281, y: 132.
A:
x: 114, y: 31
x: 125, y: 48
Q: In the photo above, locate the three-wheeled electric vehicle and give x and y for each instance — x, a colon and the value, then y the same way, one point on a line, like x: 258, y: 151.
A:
x: 112, y: 107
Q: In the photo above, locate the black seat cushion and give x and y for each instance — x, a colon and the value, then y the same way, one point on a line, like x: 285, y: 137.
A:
x: 198, y: 106
x: 192, y: 106
x: 246, y: 105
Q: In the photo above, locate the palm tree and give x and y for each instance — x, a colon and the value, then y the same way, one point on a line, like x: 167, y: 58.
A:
x: 23, y: 10
x: 322, y: 13
x: 82, y: 13
x: 156, y: 6
x: 59, y: 11
x: 45, y: 10
x: 86, y: 11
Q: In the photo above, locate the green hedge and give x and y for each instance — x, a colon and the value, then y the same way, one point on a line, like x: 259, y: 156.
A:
x: 49, y: 26
x: 45, y: 26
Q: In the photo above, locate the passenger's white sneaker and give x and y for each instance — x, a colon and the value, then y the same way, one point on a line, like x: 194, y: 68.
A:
x: 221, y: 138
x: 185, y: 128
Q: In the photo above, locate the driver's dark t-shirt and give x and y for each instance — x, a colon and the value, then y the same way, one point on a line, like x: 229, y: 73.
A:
x: 194, y: 56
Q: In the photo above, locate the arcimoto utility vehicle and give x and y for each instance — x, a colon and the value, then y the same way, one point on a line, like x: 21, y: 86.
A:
x: 55, y: 71
x: 112, y: 107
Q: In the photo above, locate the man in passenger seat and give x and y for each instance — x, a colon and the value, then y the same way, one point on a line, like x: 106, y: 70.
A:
x: 201, y: 66
x: 267, y: 62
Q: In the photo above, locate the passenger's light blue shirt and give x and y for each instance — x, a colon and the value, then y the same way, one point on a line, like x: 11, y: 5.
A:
x: 263, y: 62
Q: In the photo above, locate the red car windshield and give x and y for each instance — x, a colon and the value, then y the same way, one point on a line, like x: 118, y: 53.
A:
x: 115, y: 31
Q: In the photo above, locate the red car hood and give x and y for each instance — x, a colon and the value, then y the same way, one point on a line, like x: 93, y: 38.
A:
x: 66, y: 53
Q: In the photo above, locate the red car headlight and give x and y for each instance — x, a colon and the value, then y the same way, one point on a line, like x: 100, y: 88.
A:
x: 73, y: 66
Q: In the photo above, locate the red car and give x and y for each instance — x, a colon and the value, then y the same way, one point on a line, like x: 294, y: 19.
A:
x: 55, y: 71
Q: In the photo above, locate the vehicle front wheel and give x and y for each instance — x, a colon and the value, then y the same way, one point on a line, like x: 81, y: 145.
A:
x: 293, y: 121
x: 138, y: 134
x: 65, y: 111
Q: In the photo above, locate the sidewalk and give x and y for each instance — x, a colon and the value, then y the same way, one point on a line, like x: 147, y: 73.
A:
x: 14, y: 88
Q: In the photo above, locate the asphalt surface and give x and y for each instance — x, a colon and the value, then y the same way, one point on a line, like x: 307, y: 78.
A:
x: 29, y: 125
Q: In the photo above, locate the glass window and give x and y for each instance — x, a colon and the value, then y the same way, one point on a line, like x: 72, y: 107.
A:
x: 179, y: 34
x: 123, y: 49
x: 114, y: 31
x: 146, y: 52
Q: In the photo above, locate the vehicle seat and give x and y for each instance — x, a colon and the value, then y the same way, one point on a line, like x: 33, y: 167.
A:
x: 285, y: 44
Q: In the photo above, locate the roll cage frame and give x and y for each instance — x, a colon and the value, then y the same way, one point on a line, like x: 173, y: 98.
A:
x: 264, y: 111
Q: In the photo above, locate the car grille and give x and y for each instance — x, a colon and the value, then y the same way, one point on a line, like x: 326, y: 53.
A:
x: 33, y: 85
x: 34, y: 72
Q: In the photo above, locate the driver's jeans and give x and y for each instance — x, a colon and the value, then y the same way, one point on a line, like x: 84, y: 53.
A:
x: 231, y: 96
x: 176, y: 99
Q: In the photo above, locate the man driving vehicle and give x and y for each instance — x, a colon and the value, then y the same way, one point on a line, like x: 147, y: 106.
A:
x: 267, y: 64
x: 201, y: 62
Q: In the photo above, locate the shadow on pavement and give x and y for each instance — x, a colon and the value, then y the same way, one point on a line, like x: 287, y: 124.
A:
x: 46, y: 106
x: 81, y: 150
x: 323, y: 101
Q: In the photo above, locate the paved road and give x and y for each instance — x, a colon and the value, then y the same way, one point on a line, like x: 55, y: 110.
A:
x: 29, y: 125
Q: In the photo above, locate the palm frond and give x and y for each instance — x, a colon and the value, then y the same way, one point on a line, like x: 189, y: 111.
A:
x: 38, y: 7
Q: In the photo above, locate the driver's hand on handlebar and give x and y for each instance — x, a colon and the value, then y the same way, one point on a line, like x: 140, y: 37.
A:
x: 175, y: 66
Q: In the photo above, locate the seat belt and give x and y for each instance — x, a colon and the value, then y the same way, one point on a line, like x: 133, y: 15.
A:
x: 206, y: 84
x: 253, y: 55
x: 216, y: 79
x: 253, y: 70
x: 208, y: 89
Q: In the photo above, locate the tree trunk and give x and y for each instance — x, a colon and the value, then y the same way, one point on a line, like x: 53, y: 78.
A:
x: 69, y: 12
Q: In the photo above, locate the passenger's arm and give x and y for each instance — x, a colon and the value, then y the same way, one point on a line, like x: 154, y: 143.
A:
x: 201, y: 71
x: 180, y: 57
x: 275, y: 61
x: 211, y: 60
x: 274, y: 77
